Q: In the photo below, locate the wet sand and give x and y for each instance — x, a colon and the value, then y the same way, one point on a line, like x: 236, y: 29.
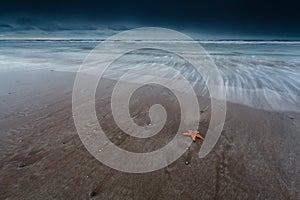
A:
x: 256, y: 157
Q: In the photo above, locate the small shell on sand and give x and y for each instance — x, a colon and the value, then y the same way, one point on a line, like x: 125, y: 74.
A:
x: 21, y: 165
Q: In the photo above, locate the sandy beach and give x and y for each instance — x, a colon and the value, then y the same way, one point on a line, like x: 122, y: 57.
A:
x: 42, y: 157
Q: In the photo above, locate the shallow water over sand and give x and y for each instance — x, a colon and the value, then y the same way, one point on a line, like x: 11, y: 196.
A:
x: 264, y: 75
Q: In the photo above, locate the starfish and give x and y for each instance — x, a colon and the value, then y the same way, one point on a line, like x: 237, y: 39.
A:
x: 194, y: 135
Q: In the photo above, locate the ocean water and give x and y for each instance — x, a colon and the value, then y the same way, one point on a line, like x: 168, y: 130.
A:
x: 260, y: 74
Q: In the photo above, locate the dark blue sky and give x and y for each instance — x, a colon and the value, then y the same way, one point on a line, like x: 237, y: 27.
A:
x: 257, y: 17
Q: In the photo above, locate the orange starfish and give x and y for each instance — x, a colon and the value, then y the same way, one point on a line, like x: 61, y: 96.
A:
x: 193, y: 135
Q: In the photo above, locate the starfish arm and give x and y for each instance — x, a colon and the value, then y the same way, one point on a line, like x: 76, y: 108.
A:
x: 199, y: 136
x: 194, y: 137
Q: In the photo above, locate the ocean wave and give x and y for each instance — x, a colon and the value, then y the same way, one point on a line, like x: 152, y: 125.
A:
x: 262, y: 76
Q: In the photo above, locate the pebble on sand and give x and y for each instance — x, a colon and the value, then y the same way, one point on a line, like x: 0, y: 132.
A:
x: 187, y: 162
x: 93, y: 194
x: 21, y: 165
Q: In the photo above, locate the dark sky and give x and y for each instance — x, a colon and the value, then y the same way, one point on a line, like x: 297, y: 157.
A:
x: 242, y: 16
